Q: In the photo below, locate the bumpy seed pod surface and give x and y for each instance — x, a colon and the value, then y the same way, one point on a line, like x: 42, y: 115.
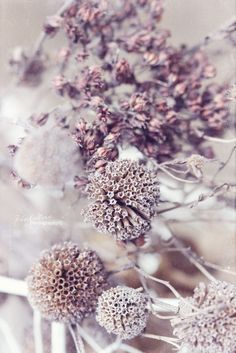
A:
x: 47, y: 157
x: 213, y: 328
x: 122, y: 311
x: 126, y: 196
x: 65, y: 283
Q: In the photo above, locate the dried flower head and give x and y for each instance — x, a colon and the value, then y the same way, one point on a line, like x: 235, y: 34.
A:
x: 195, y: 164
x: 126, y: 195
x: 212, y: 329
x: 65, y: 283
x: 122, y: 311
x: 47, y: 157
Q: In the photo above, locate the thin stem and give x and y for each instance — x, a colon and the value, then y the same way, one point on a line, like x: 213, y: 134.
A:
x: 168, y: 285
x: 43, y: 35
x: 58, y: 338
x: 9, y: 337
x: 89, y: 340
x: 170, y: 340
x: 193, y: 259
x: 165, y: 283
x: 114, y: 346
x: 129, y: 349
x: 218, y: 140
x: 177, y: 178
x: 224, y: 164
x: 218, y: 34
x: 79, y: 345
x: 216, y: 267
x: 38, y: 337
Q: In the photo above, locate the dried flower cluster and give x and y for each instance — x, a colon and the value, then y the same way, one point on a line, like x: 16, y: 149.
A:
x: 123, y: 311
x: 143, y: 89
x: 212, y: 329
x: 65, y: 283
x: 126, y: 196
x: 47, y: 157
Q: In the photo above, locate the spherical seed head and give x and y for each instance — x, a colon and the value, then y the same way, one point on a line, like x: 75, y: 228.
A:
x: 213, y: 329
x: 122, y: 311
x: 47, y: 157
x: 126, y: 196
x: 65, y: 283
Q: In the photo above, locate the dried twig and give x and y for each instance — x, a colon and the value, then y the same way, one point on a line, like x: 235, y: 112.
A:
x: 79, y: 345
x: 171, y: 340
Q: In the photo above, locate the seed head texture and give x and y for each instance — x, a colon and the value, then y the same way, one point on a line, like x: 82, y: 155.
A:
x: 65, y: 283
x: 126, y: 196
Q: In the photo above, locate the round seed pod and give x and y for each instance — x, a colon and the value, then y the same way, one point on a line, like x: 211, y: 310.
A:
x: 47, y: 157
x: 212, y: 327
x: 122, y: 311
x: 125, y: 199
x: 65, y: 283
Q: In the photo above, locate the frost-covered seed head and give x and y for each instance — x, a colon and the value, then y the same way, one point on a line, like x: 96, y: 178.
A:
x: 213, y: 329
x: 65, y: 283
x: 47, y: 157
x: 126, y: 196
x: 122, y: 311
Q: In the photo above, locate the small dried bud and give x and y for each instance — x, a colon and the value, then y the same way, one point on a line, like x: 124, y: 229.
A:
x: 154, y: 59
x: 88, y: 13
x: 126, y: 195
x: 209, y: 71
x: 212, y: 328
x: 122, y: 311
x: 65, y: 283
x: 123, y: 71
x: 231, y: 93
x: 139, y: 102
x: 195, y: 164
x: 28, y: 69
x: 52, y: 25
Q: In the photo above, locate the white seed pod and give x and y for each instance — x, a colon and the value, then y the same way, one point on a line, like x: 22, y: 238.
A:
x: 212, y: 329
x: 47, y: 157
x: 122, y: 311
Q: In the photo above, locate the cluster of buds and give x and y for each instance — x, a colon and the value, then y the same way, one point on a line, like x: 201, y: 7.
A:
x: 154, y: 93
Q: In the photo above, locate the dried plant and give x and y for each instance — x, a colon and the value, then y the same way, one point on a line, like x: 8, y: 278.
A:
x: 137, y: 124
x: 211, y: 326
x: 65, y: 283
x: 122, y: 311
x: 126, y: 195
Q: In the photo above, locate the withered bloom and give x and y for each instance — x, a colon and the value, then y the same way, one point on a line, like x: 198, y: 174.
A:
x: 122, y: 311
x: 213, y: 327
x: 65, y: 283
x: 125, y: 198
